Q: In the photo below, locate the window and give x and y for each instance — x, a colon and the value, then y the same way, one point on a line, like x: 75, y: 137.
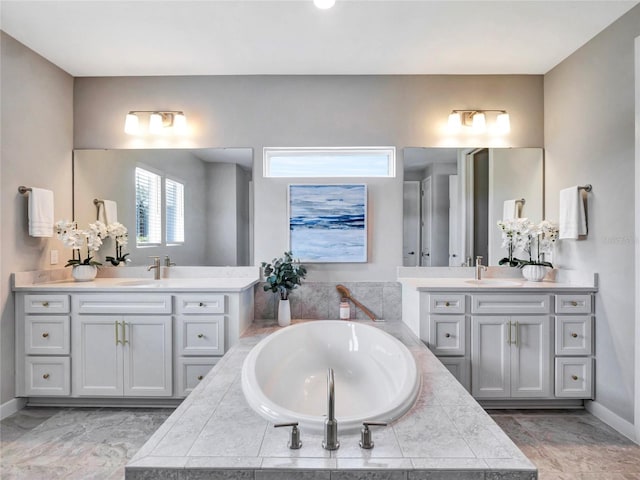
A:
x: 330, y: 162
x: 174, y: 196
x: 148, y: 208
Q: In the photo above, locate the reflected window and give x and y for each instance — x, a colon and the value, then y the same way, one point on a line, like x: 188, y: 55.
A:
x: 174, y: 193
x: 148, y: 207
x: 330, y: 162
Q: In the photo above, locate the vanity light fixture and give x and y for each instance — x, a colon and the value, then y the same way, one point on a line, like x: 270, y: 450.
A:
x: 477, y: 121
x: 159, y: 122
x: 324, y: 4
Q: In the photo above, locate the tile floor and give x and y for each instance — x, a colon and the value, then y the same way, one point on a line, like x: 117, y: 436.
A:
x: 95, y: 443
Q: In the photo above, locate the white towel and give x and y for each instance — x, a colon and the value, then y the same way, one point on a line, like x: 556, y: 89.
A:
x: 40, y: 212
x: 573, y: 221
x: 110, y: 212
x: 509, y: 210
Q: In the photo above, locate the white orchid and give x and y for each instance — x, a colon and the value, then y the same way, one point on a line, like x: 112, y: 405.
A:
x: 120, y: 234
x: 535, y: 240
x: 76, y: 239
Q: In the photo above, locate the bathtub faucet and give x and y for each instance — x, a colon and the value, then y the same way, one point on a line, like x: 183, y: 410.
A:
x: 330, y: 424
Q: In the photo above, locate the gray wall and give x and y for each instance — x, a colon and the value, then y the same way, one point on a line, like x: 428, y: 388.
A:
x: 259, y: 111
x: 36, y: 146
x: 589, y: 138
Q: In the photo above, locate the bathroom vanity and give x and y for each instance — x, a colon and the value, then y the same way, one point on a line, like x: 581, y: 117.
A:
x: 506, y: 339
x: 126, y: 339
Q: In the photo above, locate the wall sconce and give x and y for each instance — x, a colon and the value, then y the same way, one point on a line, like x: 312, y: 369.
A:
x: 159, y: 121
x: 477, y: 121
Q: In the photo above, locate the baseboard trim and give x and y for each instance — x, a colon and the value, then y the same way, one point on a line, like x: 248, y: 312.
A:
x: 614, y: 420
x: 12, y: 406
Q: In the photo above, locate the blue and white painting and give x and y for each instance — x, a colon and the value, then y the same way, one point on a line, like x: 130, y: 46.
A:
x: 328, y: 223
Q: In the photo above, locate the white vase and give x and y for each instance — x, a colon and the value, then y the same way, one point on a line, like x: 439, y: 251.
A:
x: 284, y: 313
x: 84, y: 273
x: 534, y: 273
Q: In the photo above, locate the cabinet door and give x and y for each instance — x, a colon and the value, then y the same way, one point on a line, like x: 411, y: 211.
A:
x: 459, y: 368
x: 97, y: 355
x: 447, y: 334
x: 530, y: 357
x: 490, y: 357
x: 147, y: 356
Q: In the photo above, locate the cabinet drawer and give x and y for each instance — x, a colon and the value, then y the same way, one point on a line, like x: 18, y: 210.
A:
x: 47, y: 376
x: 195, y: 304
x: 47, y: 335
x: 443, y: 303
x: 46, y: 304
x: 573, y: 303
x: 574, y: 377
x: 459, y: 368
x: 574, y: 335
x: 191, y: 371
x: 200, y: 335
x: 507, y: 303
x: 132, y: 303
x: 447, y: 334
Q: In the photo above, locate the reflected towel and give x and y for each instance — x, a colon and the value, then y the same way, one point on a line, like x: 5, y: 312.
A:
x: 40, y: 212
x: 510, y: 210
x: 573, y: 221
x: 110, y: 212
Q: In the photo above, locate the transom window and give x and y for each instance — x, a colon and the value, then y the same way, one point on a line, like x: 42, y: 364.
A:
x: 330, y: 162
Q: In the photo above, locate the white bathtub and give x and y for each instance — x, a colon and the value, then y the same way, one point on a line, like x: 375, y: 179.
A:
x: 284, y: 377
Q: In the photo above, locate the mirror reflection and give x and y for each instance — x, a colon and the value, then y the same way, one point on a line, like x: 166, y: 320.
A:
x: 194, y: 205
x: 454, y: 197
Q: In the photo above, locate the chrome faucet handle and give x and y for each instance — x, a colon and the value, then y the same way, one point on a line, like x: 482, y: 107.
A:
x: 168, y: 262
x: 294, y: 443
x: 479, y: 260
x: 366, y: 441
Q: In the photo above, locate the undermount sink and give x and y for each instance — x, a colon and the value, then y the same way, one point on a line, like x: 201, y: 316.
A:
x: 141, y: 283
x: 494, y: 282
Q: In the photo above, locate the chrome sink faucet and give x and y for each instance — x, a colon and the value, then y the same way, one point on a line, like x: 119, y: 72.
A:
x: 155, y: 267
x: 479, y: 268
x: 330, y: 424
x: 168, y: 262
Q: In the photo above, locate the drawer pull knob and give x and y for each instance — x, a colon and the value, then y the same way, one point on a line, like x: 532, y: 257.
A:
x: 200, y: 335
x: 574, y: 335
x: 574, y: 303
x: 446, y: 304
x: 45, y: 304
x: 45, y: 376
x: 45, y: 335
x: 574, y: 377
x: 447, y: 335
x: 201, y: 304
x: 200, y: 377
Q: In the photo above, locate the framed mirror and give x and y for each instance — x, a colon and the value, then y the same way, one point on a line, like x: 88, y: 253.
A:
x: 194, y: 205
x: 454, y: 197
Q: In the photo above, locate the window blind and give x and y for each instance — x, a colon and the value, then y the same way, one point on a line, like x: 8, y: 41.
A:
x: 148, y: 207
x: 174, y: 195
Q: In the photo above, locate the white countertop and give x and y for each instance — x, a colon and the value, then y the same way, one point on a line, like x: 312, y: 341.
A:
x: 144, y: 285
x: 214, y: 432
x: 490, y: 285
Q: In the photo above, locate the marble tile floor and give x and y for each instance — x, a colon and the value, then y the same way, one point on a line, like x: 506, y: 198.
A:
x: 74, y: 443
x: 96, y: 443
x: 570, y: 444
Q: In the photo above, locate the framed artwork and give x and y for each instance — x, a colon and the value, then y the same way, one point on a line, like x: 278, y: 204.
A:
x: 328, y: 223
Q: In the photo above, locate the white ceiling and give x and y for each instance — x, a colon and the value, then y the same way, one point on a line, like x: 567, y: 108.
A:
x: 417, y: 158
x: 217, y: 37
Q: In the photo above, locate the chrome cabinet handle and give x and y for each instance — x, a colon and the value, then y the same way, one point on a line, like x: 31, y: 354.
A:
x: 574, y: 335
x: 446, y: 304
x: 509, y: 333
x: 45, y: 335
x: 574, y: 377
x: 200, y: 335
x: 447, y: 335
x: 124, y: 333
x: 199, y: 377
x: 117, y: 325
x: 574, y: 303
x: 45, y: 376
x: 515, y: 341
x: 45, y: 304
x: 201, y: 304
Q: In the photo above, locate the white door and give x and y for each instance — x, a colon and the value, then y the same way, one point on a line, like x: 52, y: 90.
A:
x: 490, y: 357
x: 147, y: 356
x: 97, y: 355
x: 426, y: 216
x: 530, y: 357
x: 455, y: 255
x: 411, y: 224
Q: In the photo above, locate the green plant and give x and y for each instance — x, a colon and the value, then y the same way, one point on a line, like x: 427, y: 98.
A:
x: 284, y: 275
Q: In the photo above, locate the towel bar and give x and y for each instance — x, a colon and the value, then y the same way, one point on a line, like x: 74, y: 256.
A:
x: 587, y: 188
x: 23, y: 190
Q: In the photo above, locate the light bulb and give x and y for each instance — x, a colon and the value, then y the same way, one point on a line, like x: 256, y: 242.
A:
x: 479, y: 122
x: 155, y: 123
x: 455, y: 122
x: 503, y: 125
x: 131, y: 126
x: 324, y: 4
x: 180, y: 123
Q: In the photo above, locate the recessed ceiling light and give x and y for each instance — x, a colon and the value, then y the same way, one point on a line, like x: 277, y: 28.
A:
x: 324, y: 4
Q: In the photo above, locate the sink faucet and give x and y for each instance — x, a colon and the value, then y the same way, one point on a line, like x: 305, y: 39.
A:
x: 479, y: 268
x: 168, y: 262
x: 156, y: 267
x: 330, y: 424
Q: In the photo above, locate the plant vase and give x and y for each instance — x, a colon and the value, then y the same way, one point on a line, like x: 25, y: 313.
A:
x: 534, y: 273
x: 284, y: 313
x: 84, y: 273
